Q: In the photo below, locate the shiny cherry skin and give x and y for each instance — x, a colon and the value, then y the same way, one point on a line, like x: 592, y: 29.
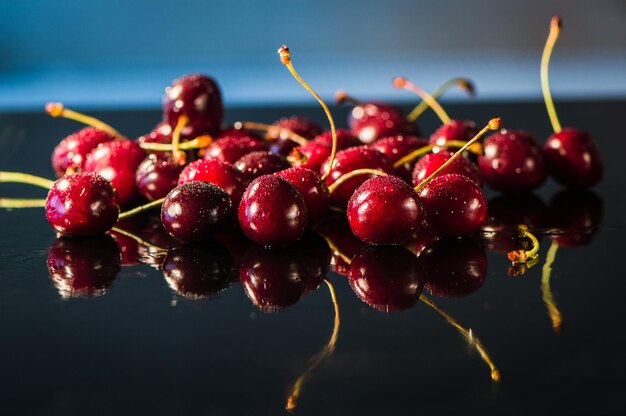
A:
x: 162, y: 134
x: 454, y: 268
x: 371, y: 121
x: 82, y: 204
x: 194, y: 211
x: 157, y: 175
x: 199, y: 270
x: 348, y: 160
x: 311, y: 155
x: 83, y: 267
x: 312, y: 189
x: 573, y: 158
x: 337, y: 230
x: 389, y: 278
x: 345, y: 139
x: 199, y: 98
x: 461, y: 130
x: 255, y: 164
x: 384, y: 210
x: 217, y: 172
x: 117, y: 162
x: 72, y: 151
x: 232, y: 146
x: 454, y: 205
x: 575, y: 216
x: 396, y: 147
x: 273, y: 212
x: 429, y: 163
x: 299, y: 125
x: 512, y: 162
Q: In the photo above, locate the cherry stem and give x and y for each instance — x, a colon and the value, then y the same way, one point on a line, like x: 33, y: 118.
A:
x: 332, y: 187
x: 476, y: 148
x: 285, y: 58
x: 177, y: 154
x: 333, y: 247
x: 524, y: 256
x: 555, y: 29
x: 272, y: 130
x: 18, y: 177
x: 342, y: 97
x: 463, y: 83
x: 553, y: 310
x: 140, y: 209
x: 138, y: 239
x: 468, y: 334
x: 292, y: 401
x: 58, y: 110
x: 494, y: 124
x: 400, y: 82
x: 197, y: 143
x: 10, y: 203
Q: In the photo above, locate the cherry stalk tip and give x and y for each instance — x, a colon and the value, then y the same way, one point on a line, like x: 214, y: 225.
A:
x: 285, y: 55
x: 495, y: 123
x: 556, y: 23
x: 399, y: 82
x: 54, y: 109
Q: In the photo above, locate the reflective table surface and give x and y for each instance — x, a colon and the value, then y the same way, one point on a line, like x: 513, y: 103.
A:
x: 128, y: 338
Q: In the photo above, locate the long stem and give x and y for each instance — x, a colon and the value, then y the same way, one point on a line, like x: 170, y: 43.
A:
x: 22, y: 203
x: 197, y: 143
x: 553, y: 310
x: 142, y: 208
x: 271, y: 129
x: 357, y: 172
x: 494, y: 124
x: 469, y: 336
x: 400, y: 82
x: 285, y: 58
x: 292, y: 401
x: 462, y: 83
x: 179, y: 155
x: 18, y: 177
x: 555, y: 29
x: 58, y: 110
x: 138, y: 239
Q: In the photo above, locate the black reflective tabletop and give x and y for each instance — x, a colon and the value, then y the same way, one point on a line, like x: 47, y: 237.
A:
x: 134, y: 339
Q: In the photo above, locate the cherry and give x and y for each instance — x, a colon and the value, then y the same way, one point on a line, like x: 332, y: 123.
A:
x: 194, y: 211
x: 343, y: 243
x: 395, y: 148
x: 162, y: 134
x: 571, y: 155
x: 384, y: 210
x: 215, y: 171
x: 454, y: 205
x: 272, y: 211
x: 453, y: 130
x: 232, y: 145
x: 454, y: 268
x: 313, y: 190
x: 432, y: 161
x: 72, y: 151
x: 198, y: 271
x: 157, y: 175
x: 82, y: 267
x: 296, y: 124
x: 311, y: 155
x: 345, y: 139
x: 117, y: 162
x: 82, y: 204
x: 575, y: 217
x: 198, y: 97
x: 389, y: 279
x: 255, y: 164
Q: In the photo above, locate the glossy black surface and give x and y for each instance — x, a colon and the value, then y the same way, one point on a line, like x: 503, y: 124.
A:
x: 142, y: 348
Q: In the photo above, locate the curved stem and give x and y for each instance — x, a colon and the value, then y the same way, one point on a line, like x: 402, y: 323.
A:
x: 285, y: 58
x: 58, y: 110
x: 342, y: 97
x: 555, y: 29
x: 332, y: 187
x: 333, y: 247
x: 138, y: 239
x: 178, y: 155
x: 271, y: 129
x: 140, y: 209
x: 400, y: 82
x: 197, y: 143
x: 462, y: 83
x: 292, y: 401
x: 413, y: 155
x: 525, y: 256
x: 18, y: 177
x: 10, y: 203
x: 553, y: 310
x: 469, y: 336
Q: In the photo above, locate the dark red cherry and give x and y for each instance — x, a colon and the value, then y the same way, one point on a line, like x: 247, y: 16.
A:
x: 312, y: 189
x: 512, y: 162
x: 82, y: 204
x: 215, y: 171
x: 117, y: 162
x: 573, y: 158
x: 198, y: 271
x: 232, y: 146
x: 345, y: 139
x: 162, y: 134
x: 194, y: 211
x: 454, y: 268
x: 459, y: 130
x: 337, y: 230
x: 384, y: 210
x: 371, y: 121
x: 429, y: 163
x: 198, y: 97
x: 396, y: 147
x: 157, y: 175
x: 72, y: 151
x: 255, y: 164
x: 348, y: 160
x: 83, y: 267
x: 454, y: 205
x: 389, y: 279
x: 311, y: 155
x: 421, y: 239
x: 575, y: 216
x: 296, y: 124
x: 272, y: 211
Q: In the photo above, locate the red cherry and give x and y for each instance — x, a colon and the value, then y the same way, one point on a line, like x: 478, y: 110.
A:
x: 255, y: 164
x: 337, y: 230
x: 72, y: 151
x: 296, y: 124
x: 313, y: 190
x: 432, y: 161
x: 157, y: 175
x: 231, y: 146
x: 82, y: 204
x: 573, y: 158
x: 396, y: 147
x: 310, y: 155
x: 345, y: 139
x: 272, y: 211
x: 384, y: 210
x: 454, y: 205
x: 457, y: 130
x: 217, y: 172
x: 162, y: 134
x: 512, y: 162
